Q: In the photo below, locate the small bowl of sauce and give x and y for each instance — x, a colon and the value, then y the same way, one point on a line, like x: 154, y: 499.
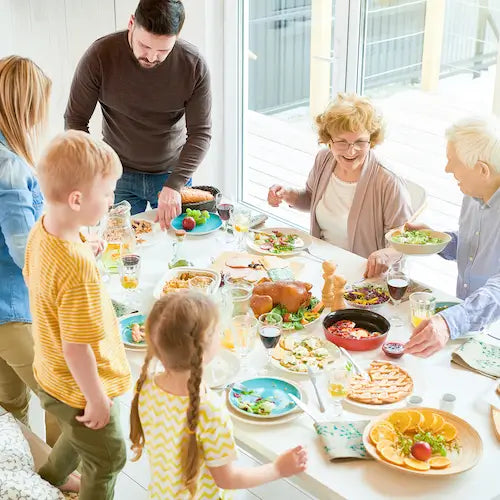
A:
x: 393, y: 349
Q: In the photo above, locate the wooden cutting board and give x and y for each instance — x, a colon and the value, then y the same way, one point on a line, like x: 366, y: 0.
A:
x: 495, y: 417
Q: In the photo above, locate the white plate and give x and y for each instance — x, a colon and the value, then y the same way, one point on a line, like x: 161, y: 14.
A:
x: 384, y: 407
x: 305, y: 237
x: 222, y: 370
x: 176, y: 271
x: 149, y: 238
x: 332, y: 348
x: 413, y: 249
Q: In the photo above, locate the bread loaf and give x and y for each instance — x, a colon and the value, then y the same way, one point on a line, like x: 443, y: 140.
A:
x: 190, y: 195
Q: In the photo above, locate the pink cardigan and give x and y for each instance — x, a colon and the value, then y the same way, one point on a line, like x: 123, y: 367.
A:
x: 381, y: 202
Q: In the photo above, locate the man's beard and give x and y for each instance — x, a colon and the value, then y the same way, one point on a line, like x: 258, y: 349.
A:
x: 140, y: 60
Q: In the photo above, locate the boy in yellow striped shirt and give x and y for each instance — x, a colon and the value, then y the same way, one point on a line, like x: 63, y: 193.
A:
x: 80, y: 362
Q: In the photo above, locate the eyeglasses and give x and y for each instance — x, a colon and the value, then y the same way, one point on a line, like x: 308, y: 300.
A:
x: 343, y: 146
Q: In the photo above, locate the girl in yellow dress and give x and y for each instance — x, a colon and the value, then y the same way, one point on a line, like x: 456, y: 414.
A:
x: 185, y: 427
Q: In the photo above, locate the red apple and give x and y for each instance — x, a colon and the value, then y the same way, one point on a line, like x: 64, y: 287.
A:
x: 188, y: 223
x: 421, y: 451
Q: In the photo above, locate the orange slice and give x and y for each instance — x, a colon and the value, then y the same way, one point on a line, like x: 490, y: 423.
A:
x: 416, y: 420
x: 439, y: 421
x: 439, y: 462
x: 400, y: 419
x: 415, y: 464
x: 448, y: 431
x: 428, y: 421
x: 390, y: 454
x: 380, y: 432
x: 384, y: 443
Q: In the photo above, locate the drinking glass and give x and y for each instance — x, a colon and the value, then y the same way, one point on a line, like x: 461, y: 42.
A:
x: 422, y: 306
x: 225, y: 210
x: 203, y: 284
x: 270, y: 325
x: 129, y: 268
x: 397, y: 283
x: 241, y: 223
x: 244, y: 330
x: 339, y: 380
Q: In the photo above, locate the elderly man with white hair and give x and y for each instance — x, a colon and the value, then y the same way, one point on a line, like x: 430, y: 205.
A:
x: 473, y: 153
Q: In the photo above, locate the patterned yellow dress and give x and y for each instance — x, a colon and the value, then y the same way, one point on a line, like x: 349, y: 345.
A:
x: 163, y: 418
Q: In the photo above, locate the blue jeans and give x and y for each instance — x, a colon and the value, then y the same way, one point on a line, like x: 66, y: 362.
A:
x: 138, y: 188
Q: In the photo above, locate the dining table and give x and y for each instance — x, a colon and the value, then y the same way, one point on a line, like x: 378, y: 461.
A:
x: 432, y: 377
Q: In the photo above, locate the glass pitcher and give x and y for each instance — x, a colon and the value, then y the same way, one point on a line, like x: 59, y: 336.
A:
x: 234, y: 301
x: 119, y: 235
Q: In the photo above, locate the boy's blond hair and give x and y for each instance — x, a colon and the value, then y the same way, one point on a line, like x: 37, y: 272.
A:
x: 72, y: 161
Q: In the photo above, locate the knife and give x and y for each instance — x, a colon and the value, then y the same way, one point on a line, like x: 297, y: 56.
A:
x: 302, y: 406
x: 356, y: 367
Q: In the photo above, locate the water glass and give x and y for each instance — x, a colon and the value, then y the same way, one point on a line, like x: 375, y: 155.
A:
x: 241, y: 223
x: 339, y: 380
x: 203, y: 284
x: 244, y: 331
x: 422, y: 306
x: 270, y: 325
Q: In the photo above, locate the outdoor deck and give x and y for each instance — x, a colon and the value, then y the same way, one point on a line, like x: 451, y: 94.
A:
x: 280, y: 149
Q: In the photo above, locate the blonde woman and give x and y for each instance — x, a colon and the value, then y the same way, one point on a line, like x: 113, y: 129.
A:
x: 24, y: 97
x: 352, y: 198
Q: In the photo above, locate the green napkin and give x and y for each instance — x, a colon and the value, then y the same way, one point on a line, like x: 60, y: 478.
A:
x: 478, y: 356
x: 343, y: 439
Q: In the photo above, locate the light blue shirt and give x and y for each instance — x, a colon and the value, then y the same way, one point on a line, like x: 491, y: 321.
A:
x: 476, y: 248
x: 21, y: 204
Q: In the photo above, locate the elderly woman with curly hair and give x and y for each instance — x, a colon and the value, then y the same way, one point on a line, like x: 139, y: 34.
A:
x: 352, y: 198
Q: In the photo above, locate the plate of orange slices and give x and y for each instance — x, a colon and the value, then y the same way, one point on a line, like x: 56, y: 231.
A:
x: 423, y: 441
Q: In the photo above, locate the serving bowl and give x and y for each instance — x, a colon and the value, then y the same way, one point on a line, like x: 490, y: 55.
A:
x: 369, y: 320
x: 419, y: 249
x: 370, y: 307
x: 203, y: 205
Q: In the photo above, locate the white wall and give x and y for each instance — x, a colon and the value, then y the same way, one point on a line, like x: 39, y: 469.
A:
x: 55, y: 33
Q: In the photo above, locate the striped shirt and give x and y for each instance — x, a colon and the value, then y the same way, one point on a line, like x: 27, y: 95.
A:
x: 163, y: 419
x: 68, y: 302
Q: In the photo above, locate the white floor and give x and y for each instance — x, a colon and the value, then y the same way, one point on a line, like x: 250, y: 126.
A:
x: 133, y: 480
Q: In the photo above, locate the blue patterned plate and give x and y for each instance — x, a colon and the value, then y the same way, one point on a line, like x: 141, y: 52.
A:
x: 260, y: 388
x: 212, y: 224
x: 126, y: 323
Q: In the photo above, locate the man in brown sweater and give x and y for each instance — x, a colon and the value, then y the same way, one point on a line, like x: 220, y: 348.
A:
x: 154, y: 92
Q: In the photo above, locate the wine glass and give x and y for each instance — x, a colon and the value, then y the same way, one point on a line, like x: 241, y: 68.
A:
x: 241, y: 223
x: 244, y: 328
x: 225, y: 210
x: 339, y: 380
x: 397, y: 283
x: 270, y: 325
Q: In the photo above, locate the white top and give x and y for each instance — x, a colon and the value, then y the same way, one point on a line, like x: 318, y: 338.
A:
x: 333, y: 210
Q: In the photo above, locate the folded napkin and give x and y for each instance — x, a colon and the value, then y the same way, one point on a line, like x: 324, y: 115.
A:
x: 478, y: 356
x: 343, y: 439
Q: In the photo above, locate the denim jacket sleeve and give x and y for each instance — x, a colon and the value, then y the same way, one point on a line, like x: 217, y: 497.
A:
x: 17, y: 211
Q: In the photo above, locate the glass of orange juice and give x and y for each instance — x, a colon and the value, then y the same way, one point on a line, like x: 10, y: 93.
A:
x: 129, y: 266
x: 422, y: 306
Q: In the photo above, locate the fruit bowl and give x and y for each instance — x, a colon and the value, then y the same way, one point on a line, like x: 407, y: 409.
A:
x: 203, y: 205
x: 369, y: 320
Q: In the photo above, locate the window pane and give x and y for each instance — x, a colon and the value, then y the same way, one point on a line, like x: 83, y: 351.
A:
x: 280, y: 141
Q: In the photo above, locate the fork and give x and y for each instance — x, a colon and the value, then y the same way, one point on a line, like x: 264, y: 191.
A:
x: 312, y: 377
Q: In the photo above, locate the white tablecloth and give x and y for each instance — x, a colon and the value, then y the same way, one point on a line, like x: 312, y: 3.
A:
x: 357, y: 478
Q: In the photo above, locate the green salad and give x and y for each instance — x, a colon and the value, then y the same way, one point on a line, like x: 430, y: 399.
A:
x: 417, y: 237
x: 301, y: 318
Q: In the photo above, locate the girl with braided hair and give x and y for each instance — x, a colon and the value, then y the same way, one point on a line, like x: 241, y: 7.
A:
x: 184, y: 426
